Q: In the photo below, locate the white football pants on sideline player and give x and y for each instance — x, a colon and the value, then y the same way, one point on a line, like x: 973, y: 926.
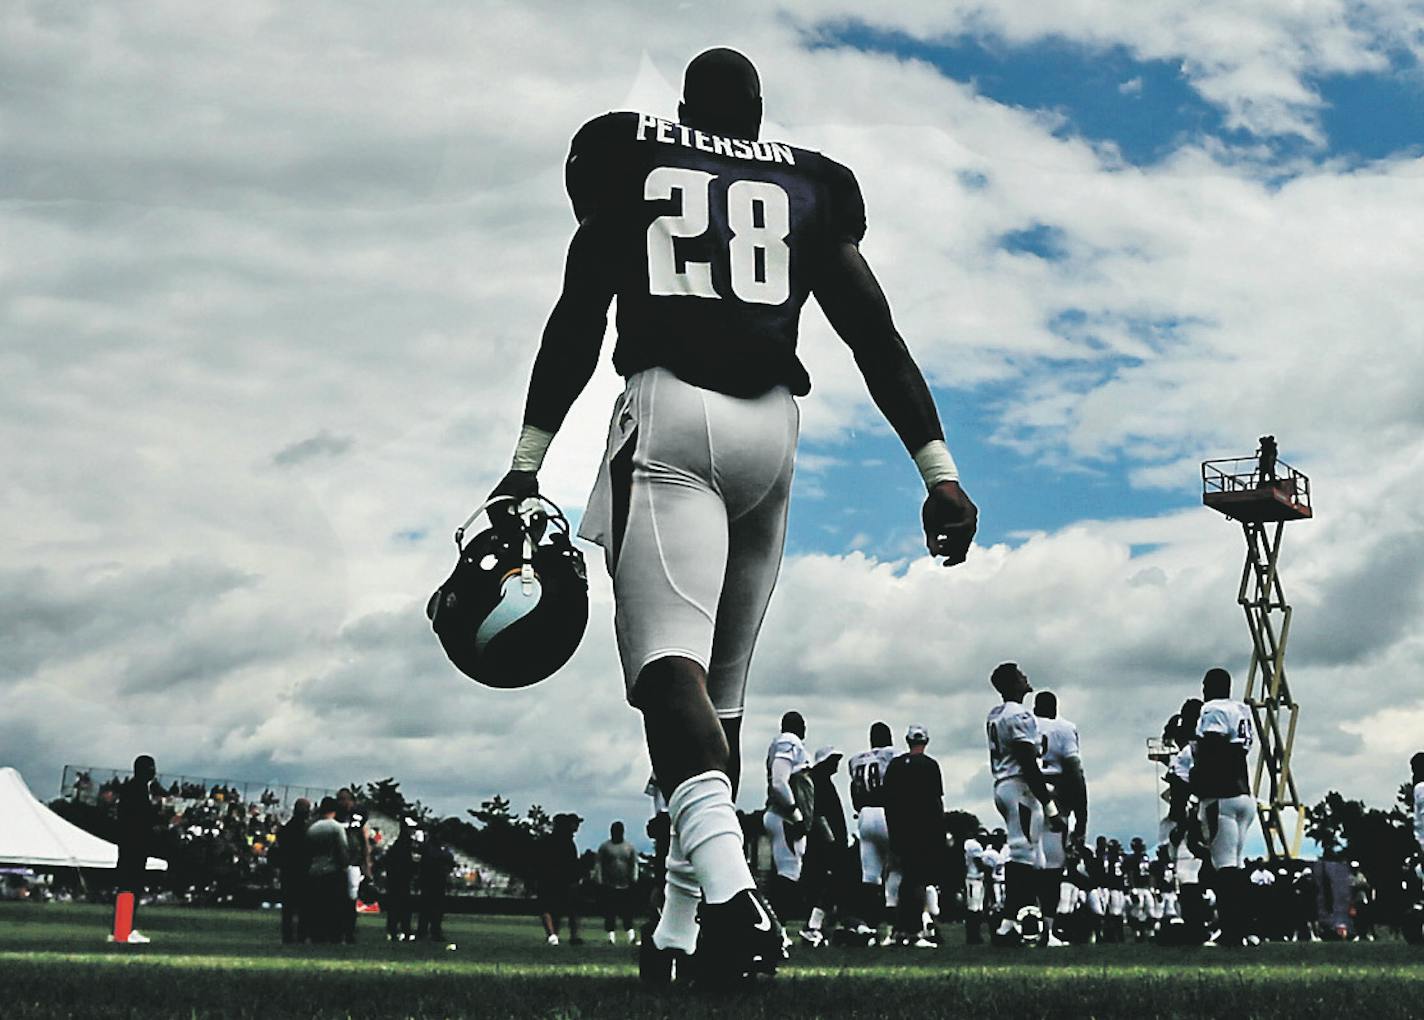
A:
x: 785, y: 857
x: 874, y: 845
x: 1227, y: 821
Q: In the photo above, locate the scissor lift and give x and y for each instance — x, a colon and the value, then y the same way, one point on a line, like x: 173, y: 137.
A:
x: 1263, y: 493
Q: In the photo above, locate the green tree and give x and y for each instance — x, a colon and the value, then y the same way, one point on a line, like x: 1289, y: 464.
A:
x: 1380, y: 840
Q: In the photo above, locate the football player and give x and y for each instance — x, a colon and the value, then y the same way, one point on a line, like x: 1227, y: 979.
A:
x: 1141, y: 902
x: 1020, y: 794
x: 1183, y: 823
x: 974, y: 848
x: 991, y: 862
x: 1062, y: 766
x: 712, y: 240
x: 1115, y: 891
x: 789, y: 810
x: 867, y: 796
x: 1223, y: 741
x: 826, y: 843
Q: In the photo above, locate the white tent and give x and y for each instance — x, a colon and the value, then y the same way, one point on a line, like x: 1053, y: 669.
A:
x: 32, y: 834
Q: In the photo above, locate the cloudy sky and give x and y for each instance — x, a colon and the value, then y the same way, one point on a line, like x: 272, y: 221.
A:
x: 273, y: 278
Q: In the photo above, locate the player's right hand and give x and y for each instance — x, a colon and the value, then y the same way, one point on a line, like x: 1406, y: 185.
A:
x: 950, y: 519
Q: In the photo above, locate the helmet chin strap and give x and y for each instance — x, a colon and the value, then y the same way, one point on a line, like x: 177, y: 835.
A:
x: 514, y: 605
x: 526, y: 569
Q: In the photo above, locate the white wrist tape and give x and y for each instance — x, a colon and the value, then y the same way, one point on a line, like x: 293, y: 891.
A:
x: 529, y: 451
x: 935, y: 464
x: 1051, y: 811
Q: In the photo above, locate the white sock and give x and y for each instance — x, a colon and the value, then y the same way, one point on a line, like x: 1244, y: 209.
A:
x: 705, y: 821
x: 677, y: 927
x: 818, y: 918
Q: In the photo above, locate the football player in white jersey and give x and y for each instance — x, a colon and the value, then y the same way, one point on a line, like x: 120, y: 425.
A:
x: 867, y: 796
x: 1020, y: 794
x: 712, y: 240
x: 974, y: 848
x: 1061, y: 761
x: 1219, y: 780
x: 788, y: 815
x: 1416, y: 768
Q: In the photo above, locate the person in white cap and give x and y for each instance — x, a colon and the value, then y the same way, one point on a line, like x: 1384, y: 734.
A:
x: 825, y: 845
x: 914, y: 814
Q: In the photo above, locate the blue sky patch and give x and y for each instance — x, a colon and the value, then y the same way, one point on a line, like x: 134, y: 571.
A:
x: 1043, y: 240
x: 1146, y: 109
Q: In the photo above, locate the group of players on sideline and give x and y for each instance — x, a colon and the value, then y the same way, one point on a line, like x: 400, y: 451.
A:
x: 1036, y: 880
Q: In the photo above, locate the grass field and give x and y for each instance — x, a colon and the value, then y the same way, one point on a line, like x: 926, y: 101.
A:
x: 54, y: 962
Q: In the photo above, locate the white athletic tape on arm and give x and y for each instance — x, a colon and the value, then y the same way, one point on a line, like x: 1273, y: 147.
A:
x: 529, y: 451
x: 935, y: 464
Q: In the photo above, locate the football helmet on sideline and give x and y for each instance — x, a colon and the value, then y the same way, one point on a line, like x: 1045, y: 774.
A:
x: 515, y: 607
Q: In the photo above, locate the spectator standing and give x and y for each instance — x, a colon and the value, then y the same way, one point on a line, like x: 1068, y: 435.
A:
x: 826, y: 844
x: 914, y: 814
x: 138, y: 820
x: 436, y: 863
x: 330, y: 856
x: 400, y: 871
x: 617, y: 874
x: 558, y: 875
x: 292, y: 855
x: 358, y: 848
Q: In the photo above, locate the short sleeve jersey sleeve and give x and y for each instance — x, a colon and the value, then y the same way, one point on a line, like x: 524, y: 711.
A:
x: 1019, y: 727
x: 1229, y: 719
x: 847, y: 205
x: 591, y: 172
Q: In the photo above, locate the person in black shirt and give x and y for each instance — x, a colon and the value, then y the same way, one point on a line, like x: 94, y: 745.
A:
x: 138, y: 822
x: 358, y: 848
x: 436, y: 864
x: 712, y: 240
x: 914, y: 814
x: 293, y: 858
x: 399, y: 862
x: 559, y: 873
x: 826, y: 843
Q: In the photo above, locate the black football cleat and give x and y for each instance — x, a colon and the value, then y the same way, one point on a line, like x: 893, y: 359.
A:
x: 660, y: 968
x: 739, y: 939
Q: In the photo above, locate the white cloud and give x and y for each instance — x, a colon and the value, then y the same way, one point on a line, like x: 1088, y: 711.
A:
x: 272, y: 291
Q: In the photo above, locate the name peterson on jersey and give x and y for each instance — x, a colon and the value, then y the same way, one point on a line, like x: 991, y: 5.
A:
x: 1010, y: 723
x: 713, y: 245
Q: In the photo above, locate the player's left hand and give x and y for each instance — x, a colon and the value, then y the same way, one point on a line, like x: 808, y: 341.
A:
x: 950, y: 519
x: 1058, y: 824
x: 519, y: 486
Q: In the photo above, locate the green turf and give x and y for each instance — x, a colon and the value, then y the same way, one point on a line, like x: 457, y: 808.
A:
x: 54, y: 962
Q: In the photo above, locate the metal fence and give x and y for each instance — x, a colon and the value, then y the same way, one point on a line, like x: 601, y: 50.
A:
x: 86, y: 783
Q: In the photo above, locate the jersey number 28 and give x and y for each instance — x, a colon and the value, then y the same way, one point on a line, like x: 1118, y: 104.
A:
x: 759, y: 214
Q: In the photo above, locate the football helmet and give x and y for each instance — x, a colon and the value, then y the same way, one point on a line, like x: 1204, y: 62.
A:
x: 516, y: 605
